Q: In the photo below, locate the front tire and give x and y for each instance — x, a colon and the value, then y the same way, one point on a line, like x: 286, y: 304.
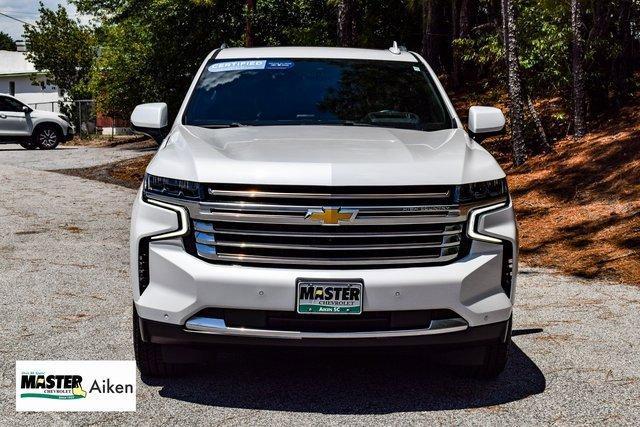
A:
x: 149, y: 355
x: 28, y: 145
x: 494, y: 362
x: 495, y: 358
x: 47, y: 137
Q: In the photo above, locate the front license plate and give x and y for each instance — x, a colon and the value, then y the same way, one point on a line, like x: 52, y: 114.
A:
x: 329, y: 297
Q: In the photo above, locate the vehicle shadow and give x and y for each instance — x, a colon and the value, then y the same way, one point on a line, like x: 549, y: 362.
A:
x: 348, y: 384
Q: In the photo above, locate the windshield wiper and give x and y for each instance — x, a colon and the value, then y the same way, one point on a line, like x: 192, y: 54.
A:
x: 225, y: 125
x: 352, y: 123
x: 288, y: 122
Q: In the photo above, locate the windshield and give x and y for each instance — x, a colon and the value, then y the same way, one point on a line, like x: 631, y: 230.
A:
x: 316, y: 92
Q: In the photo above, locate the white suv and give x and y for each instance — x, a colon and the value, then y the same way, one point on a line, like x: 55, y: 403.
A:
x: 32, y: 128
x: 321, y: 197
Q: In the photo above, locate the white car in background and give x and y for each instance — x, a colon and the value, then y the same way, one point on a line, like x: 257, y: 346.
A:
x: 321, y: 197
x: 31, y: 128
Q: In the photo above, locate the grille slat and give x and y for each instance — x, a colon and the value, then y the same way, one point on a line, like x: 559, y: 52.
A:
x: 330, y: 235
x: 407, y: 218
x: 379, y: 261
x: 251, y: 194
x: 364, y: 210
x: 243, y: 224
x: 303, y: 247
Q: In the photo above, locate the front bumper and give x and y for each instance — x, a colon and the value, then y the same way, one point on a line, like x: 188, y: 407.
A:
x: 70, y: 133
x: 164, y: 333
x: 181, y: 285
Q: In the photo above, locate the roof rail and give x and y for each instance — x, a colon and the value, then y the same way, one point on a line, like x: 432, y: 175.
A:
x: 223, y: 46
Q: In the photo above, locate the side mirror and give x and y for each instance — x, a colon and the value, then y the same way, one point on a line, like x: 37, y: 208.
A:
x: 26, y: 109
x: 151, y: 119
x: 485, y: 122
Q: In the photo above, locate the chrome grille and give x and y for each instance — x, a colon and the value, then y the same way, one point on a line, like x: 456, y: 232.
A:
x: 269, y: 225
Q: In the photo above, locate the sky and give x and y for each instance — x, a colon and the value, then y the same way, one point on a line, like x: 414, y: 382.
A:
x: 27, y: 10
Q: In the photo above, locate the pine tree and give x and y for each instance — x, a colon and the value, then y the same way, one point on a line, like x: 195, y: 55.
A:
x: 579, y: 124
x: 248, y: 33
x: 516, y: 111
x: 436, y: 33
x: 347, y: 23
x: 623, y: 62
x: 462, y: 11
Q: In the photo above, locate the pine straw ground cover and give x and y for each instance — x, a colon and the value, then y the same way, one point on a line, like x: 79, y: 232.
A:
x: 126, y: 173
x: 578, y: 207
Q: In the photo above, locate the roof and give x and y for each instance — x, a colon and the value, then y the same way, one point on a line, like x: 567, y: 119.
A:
x: 314, y: 52
x: 15, y: 64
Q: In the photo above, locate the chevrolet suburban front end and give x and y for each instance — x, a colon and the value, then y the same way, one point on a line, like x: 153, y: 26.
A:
x: 321, y: 197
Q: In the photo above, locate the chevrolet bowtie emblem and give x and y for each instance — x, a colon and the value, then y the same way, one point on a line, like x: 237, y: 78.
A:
x: 331, y: 216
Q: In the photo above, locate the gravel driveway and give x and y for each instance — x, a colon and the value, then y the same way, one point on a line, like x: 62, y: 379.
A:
x: 66, y: 157
x: 65, y: 295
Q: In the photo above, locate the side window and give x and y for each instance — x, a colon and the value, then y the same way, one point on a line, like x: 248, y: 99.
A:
x: 4, y: 105
x: 9, y: 104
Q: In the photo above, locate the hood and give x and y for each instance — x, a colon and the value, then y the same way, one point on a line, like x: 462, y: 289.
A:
x: 323, y: 155
x: 45, y: 114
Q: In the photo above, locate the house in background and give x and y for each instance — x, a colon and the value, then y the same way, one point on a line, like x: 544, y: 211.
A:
x: 19, y: 77
x: 16, y: 74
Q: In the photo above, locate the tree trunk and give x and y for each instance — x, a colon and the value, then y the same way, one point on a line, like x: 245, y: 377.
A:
x: 461, y: 15
x: 623, y: 63
x: 427, y: 37
x: 579, y: 123
x: 600, y: 21
x: 248, y: 34
x: 347, y: 23
x: 435, y: 34
x: 503, y: 13
x: 544, y: 142
x: 516, y: 111
x: 597, y: 88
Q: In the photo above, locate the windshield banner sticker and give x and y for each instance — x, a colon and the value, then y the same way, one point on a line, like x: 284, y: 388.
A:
x: 254, y: 64
x: 279, y: 65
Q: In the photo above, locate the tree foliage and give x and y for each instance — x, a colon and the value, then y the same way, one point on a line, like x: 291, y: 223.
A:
x: 545, y: 30
x: 293, y: 23
x: 64, y: 48
x: 6, y: 42
x: 151, y: 53
x: 150, y: 49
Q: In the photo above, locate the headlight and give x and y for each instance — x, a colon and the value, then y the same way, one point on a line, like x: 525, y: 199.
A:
x: 494, y: 190
x: 65, y: 118
x: 171, y: 187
